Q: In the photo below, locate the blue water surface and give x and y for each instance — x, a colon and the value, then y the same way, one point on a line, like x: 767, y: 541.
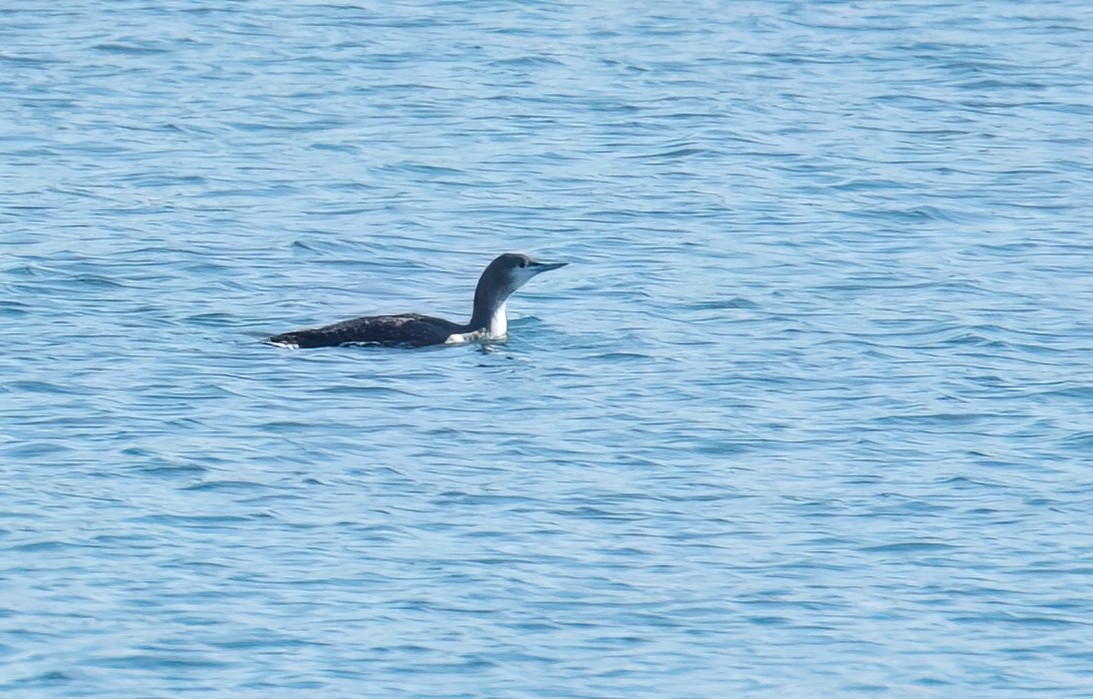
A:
x: 808, y: 414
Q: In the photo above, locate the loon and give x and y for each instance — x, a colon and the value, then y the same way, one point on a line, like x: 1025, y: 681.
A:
x: 504, y: 275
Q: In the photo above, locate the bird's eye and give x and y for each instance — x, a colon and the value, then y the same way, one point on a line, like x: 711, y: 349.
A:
x: 523, y: 263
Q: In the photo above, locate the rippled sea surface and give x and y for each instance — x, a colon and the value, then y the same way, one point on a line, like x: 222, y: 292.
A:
x: 808, y: 414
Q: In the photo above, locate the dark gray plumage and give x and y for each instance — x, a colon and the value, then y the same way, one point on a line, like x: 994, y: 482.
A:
x: 504, y: 275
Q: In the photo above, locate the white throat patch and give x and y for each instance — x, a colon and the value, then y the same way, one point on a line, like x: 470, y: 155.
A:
x: 499, y: 323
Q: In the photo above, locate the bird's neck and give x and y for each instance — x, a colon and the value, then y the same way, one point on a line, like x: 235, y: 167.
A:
x: 489, y: 308
x: 498, y: 322
x: 490, y: 319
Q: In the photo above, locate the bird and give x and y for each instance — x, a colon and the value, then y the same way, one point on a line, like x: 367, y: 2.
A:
x: 506, y: 274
